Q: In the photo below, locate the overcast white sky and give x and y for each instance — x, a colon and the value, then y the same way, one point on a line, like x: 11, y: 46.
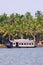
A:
x: 20, y: 6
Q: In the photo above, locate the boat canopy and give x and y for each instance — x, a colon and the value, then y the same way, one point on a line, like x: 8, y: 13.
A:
x: 22, y: 41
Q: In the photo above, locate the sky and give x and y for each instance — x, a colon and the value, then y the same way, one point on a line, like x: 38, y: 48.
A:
x: 20, y: 6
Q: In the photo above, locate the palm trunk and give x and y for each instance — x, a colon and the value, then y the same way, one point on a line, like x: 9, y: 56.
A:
x: 21, y: 36
x: 34, y: 38
x: 9, y: 36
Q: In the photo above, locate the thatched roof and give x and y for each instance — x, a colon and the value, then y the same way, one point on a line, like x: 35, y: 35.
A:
x: 12, y: 41
x: 22, y: 41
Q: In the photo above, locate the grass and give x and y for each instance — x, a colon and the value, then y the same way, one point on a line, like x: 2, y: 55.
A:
x: 2, y: 45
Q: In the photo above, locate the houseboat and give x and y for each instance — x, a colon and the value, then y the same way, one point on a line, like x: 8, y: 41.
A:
x: 20, y: 43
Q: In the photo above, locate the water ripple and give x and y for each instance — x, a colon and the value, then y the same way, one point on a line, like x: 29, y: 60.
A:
x: 21, y: 56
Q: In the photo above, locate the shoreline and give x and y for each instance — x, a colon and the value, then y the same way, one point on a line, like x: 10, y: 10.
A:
x: 4, y: 46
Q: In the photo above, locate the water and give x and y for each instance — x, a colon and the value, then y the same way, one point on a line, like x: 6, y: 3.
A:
x: 21, y: 56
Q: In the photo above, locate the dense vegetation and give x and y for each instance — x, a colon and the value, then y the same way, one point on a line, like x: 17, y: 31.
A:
x: 21, y: 26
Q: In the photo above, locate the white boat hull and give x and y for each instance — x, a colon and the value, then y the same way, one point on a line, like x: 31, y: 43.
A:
x: 20, y: 43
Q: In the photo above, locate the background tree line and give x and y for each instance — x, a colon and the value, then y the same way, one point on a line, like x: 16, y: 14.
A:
x: 21, y: 26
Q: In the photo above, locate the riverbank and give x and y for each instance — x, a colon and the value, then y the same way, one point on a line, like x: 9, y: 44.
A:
x: 40, y: 46
x: 2, y: 46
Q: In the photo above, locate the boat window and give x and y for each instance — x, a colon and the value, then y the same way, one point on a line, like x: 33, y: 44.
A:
x: 24, y: 43
x: 29, y: 43
x: 32, y: 43
x: 14, y: 43
x: 19, y: 43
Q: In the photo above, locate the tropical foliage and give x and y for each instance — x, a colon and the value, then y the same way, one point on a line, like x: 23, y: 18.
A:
x: 21, y: 26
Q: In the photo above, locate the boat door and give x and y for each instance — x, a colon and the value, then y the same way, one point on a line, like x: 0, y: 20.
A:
x: 17, y: 44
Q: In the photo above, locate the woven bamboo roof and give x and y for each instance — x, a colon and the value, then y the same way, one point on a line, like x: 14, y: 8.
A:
x: 22, y: 41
